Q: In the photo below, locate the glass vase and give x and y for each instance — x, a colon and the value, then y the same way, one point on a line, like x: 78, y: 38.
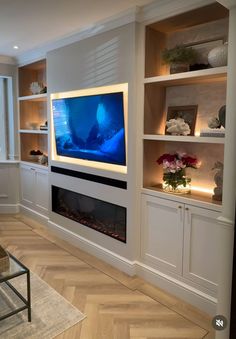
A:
x: 176, y: 183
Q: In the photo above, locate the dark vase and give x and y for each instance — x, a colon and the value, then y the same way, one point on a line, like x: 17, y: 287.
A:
x: 179, y: 68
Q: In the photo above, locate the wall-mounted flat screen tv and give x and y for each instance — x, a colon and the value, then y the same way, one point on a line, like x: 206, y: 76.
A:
x: 90, y: 127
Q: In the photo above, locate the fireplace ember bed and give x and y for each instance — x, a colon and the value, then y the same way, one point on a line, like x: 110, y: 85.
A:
x: 104, y: 217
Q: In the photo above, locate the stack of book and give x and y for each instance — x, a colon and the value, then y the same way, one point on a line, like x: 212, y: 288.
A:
x: 212, y: 132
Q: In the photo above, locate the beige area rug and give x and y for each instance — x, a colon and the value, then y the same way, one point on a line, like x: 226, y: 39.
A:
x: 51, y: 313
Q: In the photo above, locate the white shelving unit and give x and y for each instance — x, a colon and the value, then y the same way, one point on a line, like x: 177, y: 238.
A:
x: 205, y: 88
x: 177, y: 229
x: 201, y: 76
x: 33, y: 113
x: 32, y: 110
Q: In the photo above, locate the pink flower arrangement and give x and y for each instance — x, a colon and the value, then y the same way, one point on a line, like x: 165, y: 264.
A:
x: 176, y: 162
x: 174, y: 171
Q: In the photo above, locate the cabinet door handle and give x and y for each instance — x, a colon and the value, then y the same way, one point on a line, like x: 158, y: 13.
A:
x: 180, y: 212
x: 32, y: 169
x: 186, y: 209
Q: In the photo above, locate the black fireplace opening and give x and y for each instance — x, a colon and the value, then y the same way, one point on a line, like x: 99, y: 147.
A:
x: 102, y: 216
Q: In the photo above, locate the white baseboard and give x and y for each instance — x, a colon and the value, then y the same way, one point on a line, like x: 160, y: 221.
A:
x: 9, y: 208
x: 178, y: 288
x: 98, y: 251
x: 169, y: 284
x: 35, y: 215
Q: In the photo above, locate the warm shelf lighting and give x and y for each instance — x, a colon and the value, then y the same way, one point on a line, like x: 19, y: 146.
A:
x: 16, y: 47
x: 197, y: 134
x: 202, y: 189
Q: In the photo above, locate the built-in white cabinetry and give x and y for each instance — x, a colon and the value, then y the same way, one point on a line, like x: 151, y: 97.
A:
x: 179, y: 233
x: 33, y: 137
x: 201, y: 246
x: 180, y: 240
x: 162, y: 234
x: 34, y: 188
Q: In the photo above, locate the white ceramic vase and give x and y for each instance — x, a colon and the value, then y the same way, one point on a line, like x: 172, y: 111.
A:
x: 217, y: 57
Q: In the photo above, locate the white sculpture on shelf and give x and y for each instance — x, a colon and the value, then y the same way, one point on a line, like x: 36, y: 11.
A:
x: 218, y: 178
x: 35, y: 88
x: 177, y: 127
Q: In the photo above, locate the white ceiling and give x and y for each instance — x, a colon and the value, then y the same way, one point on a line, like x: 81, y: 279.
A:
x: 30, y: 24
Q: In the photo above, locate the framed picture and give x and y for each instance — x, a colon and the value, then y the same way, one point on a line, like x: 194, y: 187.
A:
x: 188, y: 113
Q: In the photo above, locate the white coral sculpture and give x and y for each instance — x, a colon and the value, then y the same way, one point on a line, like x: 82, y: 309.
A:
x: 177, y: 127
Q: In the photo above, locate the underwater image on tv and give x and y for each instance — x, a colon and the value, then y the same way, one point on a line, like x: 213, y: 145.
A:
x: 91, y: 127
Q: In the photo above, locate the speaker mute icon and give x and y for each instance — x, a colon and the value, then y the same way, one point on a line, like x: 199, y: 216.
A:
x: 219, y: 322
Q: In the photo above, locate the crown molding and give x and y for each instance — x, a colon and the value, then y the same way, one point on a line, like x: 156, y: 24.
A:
x: 113, y: 22
x: 4, y: 59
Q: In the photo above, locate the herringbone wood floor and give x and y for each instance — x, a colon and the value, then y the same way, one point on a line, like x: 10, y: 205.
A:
x: 117, y: 306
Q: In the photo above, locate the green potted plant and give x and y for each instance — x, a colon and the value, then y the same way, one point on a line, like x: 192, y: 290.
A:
x: 180, y: 57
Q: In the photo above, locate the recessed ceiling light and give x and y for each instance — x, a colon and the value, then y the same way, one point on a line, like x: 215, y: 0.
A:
x: 15, y: 47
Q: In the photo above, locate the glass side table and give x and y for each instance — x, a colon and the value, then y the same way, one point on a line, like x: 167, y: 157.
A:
x: 16, y: 269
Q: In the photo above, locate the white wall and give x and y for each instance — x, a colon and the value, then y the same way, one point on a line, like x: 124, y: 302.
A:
x: 9, y: 187
x: 9, y: 176
x: 106, y: 59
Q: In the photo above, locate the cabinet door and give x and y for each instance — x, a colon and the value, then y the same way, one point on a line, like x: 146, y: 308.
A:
x: 201, y: 246
x: 162, y: 234
x: 41, y: 190
x: 27, y: 186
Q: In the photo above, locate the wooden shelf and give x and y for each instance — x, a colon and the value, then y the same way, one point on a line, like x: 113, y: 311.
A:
x: 36, y: 97
x: 35, y: 164
x: 196, y: 199
x: 180, y: 138
x: 33, y: 131
x: 205, y: 75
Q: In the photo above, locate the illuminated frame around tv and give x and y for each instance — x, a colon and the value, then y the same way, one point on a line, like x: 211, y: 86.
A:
x: 119, y: 88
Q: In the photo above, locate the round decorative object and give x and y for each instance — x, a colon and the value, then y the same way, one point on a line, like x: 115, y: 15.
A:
x: 217, y: 57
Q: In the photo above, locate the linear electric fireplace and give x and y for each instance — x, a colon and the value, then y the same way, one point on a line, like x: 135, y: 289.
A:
x: 104, y: 217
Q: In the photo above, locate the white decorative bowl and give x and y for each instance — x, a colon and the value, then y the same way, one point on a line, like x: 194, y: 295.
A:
x: 217, y: 57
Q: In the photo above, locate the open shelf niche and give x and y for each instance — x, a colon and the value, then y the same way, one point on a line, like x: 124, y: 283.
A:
x: 203, y: 29
x: 32, y: 111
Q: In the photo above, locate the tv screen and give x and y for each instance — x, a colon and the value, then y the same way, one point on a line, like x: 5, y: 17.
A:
x: 91, y: 127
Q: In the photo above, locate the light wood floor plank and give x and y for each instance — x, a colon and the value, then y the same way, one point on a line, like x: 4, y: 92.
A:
x: 117, y: 306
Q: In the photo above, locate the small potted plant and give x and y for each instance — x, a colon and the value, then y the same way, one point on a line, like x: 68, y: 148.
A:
x: 180, y: 58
